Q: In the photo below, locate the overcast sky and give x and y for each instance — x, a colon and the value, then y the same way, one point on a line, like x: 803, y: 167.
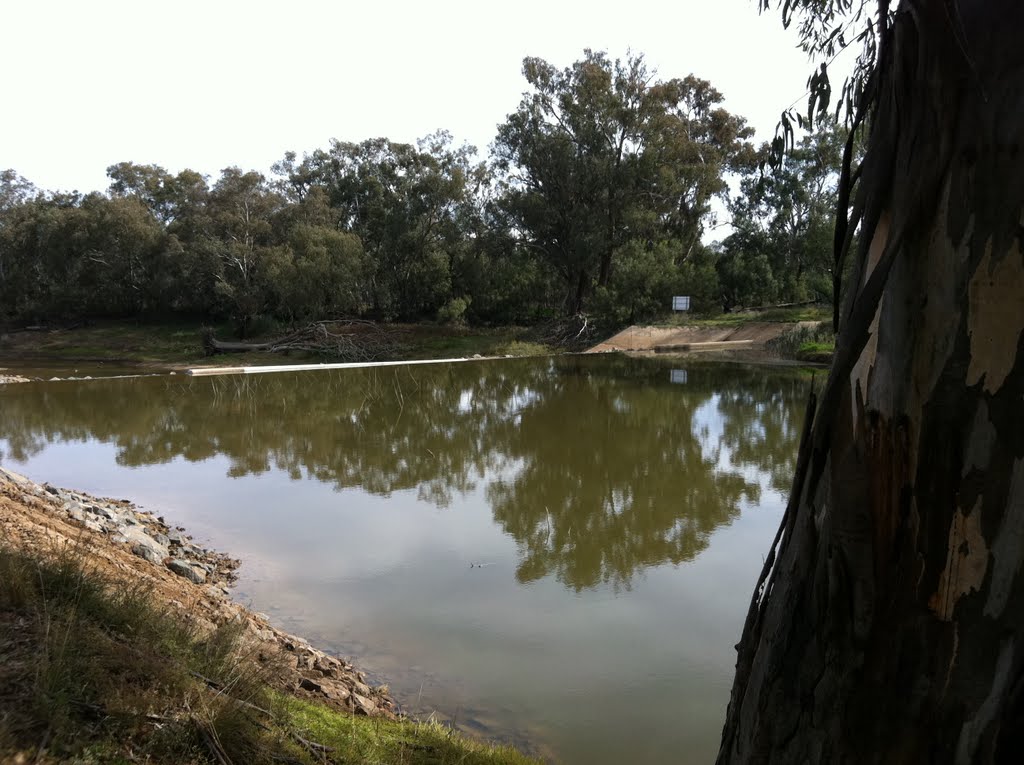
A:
x: 212, y: 83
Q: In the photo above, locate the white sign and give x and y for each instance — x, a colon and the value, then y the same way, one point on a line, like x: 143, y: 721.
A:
x: 681, y: 303
x: 677, y: 376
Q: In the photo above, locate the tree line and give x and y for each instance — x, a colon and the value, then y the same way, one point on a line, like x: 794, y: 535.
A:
x: 595, y: 198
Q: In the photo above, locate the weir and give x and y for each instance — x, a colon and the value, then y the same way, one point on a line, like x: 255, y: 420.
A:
x: 209, y: 371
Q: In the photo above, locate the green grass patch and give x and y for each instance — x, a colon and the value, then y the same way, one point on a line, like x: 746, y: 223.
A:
x: 110, y: 341
x: 93, y: 669
x: 812, y: 343
x: 522, y: 348
x: 362, y: 739
x: 781, y: 315
x: 820, y: 352
x: 439, y: 342
x: 181, y: 345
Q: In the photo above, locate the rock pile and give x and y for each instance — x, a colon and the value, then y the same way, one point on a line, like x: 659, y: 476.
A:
x: 146, y: 535
x: 191, y: 574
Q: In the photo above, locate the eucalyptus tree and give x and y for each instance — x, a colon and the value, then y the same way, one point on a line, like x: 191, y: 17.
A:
x: 39, y: 270
x: 404, y: 202
x: 318, y: 271
x: 15, y: 191
x: 241, y: 208
x: 147, y: 183
x: 120, y: 245
x: 601, y: 154
x: 785, y: 214
x: 888, y: 622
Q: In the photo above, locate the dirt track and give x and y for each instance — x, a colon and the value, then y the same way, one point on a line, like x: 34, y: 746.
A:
x: 748, y: 336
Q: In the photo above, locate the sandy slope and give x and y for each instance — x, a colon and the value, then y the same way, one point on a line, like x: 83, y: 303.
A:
x: 751, y: 336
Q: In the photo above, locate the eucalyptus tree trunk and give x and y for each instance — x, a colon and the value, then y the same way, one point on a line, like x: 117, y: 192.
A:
x: 888, y: 623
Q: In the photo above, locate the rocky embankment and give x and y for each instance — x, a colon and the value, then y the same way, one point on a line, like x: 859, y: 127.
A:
x: 119, y: 539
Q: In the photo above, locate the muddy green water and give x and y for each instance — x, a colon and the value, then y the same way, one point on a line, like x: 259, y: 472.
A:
x: 554, y: 552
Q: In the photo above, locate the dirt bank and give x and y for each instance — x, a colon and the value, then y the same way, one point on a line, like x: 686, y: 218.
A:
x: 122, y: 540
x: 747, y: 337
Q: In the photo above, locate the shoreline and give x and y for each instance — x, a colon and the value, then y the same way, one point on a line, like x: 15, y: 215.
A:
x: 118, y: 537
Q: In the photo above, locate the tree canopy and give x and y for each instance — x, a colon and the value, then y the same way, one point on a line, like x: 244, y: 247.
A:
x: 596, y: 198
x: 601, y: 157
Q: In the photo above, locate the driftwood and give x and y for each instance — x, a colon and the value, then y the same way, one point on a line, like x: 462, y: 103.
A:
x: 345, y: 340
x: 571, y: 333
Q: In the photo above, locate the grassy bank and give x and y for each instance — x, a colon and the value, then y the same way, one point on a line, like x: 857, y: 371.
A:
x: 95, y: 670
x: 813, y: 344
x: 806, y: 342
x: 790, y: 315
x: 176, y: 345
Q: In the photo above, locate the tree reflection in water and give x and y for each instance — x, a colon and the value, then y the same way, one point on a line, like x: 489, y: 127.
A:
x: 597, y: 467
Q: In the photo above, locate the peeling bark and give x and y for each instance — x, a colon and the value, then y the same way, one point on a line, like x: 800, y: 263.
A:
x: 888, y: 625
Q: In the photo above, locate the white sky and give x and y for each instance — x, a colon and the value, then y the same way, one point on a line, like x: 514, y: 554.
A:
x: 215, y: 83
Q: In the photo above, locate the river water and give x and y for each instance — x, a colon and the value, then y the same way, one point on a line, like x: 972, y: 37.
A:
x: 553, y: 552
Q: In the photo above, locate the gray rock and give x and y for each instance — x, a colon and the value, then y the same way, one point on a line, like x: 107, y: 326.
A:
x: 74, y: 510
x: 363, y: 705
x: 325, y: 670
x: 102, y: 512
x: 177, y: 537
x: 142, y: 544
x: 336, y: 691
x: 185, y: 569
x: 148, y: 553
x: 162, y: 539
x: 13, y: 477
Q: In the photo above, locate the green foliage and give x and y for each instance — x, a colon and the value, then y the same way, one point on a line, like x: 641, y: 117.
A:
x: 594, y: 201
x: 782, y: 247
x: 642, y: 286
x: 745, y: 276
x: 601, y: 160
x: 698, y: 278
x: 804, y: 341
x: 318, y: 273
x: 454, y: 311
x: 361, y: 740
x: 409, y: 207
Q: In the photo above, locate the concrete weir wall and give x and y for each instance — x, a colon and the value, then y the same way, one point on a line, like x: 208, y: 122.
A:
x: 209, y: 371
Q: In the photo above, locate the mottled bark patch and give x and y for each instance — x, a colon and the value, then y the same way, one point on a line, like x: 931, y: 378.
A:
x: 1008, y: 547
x: 996, y: 318
x: 966, y: 563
